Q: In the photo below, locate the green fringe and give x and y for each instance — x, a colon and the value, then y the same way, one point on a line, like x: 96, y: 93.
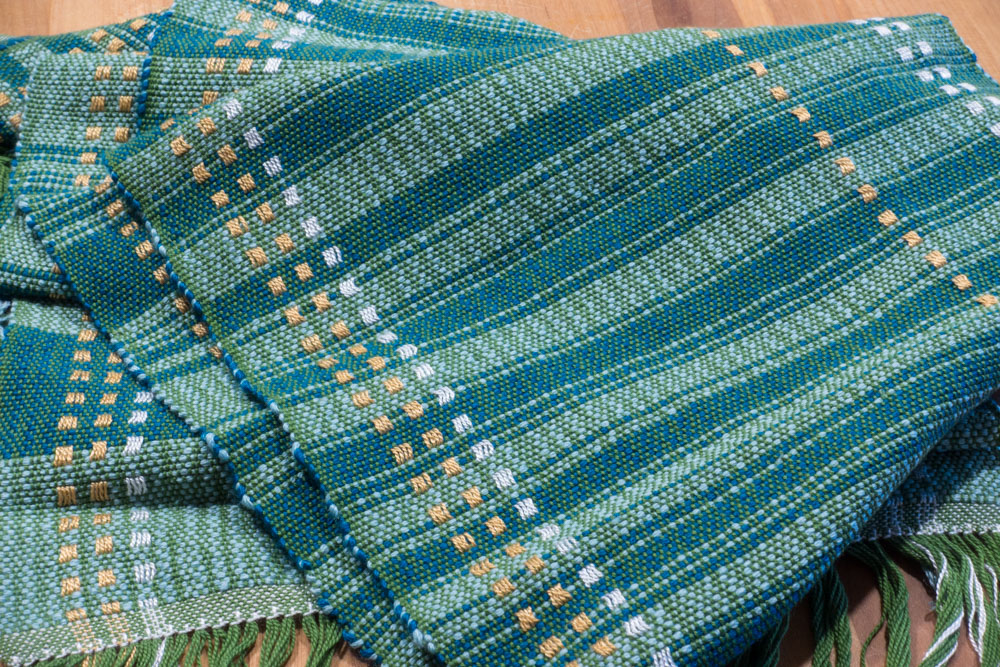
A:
x: 192, y: 655
x: 963, y: 573
x: 225, y: 647
x: 173, y: 650
x: 279, y: 640
x: 324, y: 635
x: 895, y: 617
x: 230, y: 646
x: 140, y: 654
x: 830, y: 623
x: 962, y: 570
x: 985, y: 559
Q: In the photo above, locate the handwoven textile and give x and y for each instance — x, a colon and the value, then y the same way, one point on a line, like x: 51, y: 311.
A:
x: 110, y: 502
x: 25, y: 267
x: 522, y: 350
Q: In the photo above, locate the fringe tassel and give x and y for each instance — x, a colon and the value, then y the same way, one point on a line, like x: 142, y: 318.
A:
x: 229, y: 646
x: 962, y: 570
x: 895, y: 617
x: 279, y: 641
x: 324, y: 635
x: 192, y: 655
x: 830, y: 623
x: 225, y: 647
x: 146, y: 653
x: 169, y: 651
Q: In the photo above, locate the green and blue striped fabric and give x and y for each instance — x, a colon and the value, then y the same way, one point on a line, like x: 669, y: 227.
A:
x: 566, y: 377
x: 108, y: 499
x: 24, y: 268
x: 533, y: 351
x: 243, y: 423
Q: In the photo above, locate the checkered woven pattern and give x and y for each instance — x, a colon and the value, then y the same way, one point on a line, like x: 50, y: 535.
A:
x: 522, y: 350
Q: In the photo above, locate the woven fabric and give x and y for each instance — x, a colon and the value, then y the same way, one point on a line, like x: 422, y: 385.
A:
x: 955, y: 489
x: 510, y: 362
x: 107, y: 499
x: 245, y: 435
x: 533, y: 351
x: 24, y: 268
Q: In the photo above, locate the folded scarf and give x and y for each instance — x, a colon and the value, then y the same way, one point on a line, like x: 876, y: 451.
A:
x: 523, y: 350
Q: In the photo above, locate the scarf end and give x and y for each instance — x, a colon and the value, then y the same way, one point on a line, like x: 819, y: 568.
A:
x: 960, y: 571
x: 273, y: 642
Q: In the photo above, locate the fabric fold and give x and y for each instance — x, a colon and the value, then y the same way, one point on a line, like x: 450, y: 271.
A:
x: 24, y: 269
x: 107, y: 499
x: 533, y: 368
x: 534, y: 351
x: 105, y: 252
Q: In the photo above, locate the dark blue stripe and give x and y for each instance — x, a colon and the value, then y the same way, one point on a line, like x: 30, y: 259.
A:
x: 503, y: 392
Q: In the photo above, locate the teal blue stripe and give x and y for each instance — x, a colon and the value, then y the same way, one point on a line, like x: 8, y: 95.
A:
x: 511, y: 153
x: 687, y: 425
x: 550, y: 367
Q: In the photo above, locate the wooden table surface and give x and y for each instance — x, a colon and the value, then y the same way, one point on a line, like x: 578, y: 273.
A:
x: 977, y: 21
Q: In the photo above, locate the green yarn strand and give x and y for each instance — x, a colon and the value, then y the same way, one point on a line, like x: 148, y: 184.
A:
x: 279, y: 641
x: 192, y: 656
x: 247, y: 641
x: 106, y: 658
x: 987, y: 568
x: 895, y: 615
x: 841, y: 622
x: 222, y: 645
x: 140, y: 656
x: 59, y: 662
x: 137, y: 655
x: 980, y: 597
x: 146, y: 653
x: 173, y: 650
x: 933, y: 553
x: 226, y: 647
x: 823, y: 639
x: 230, y: 646
x: 324, y: 635
x: 126, y: 655
x: 857, y: 551
x: 830, y: 622
x: 771, y: 646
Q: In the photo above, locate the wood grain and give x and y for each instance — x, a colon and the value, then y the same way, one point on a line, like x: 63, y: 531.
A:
x: 977, y: 21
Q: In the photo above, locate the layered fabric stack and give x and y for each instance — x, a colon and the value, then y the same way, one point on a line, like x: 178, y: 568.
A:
x: 476, y: 345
